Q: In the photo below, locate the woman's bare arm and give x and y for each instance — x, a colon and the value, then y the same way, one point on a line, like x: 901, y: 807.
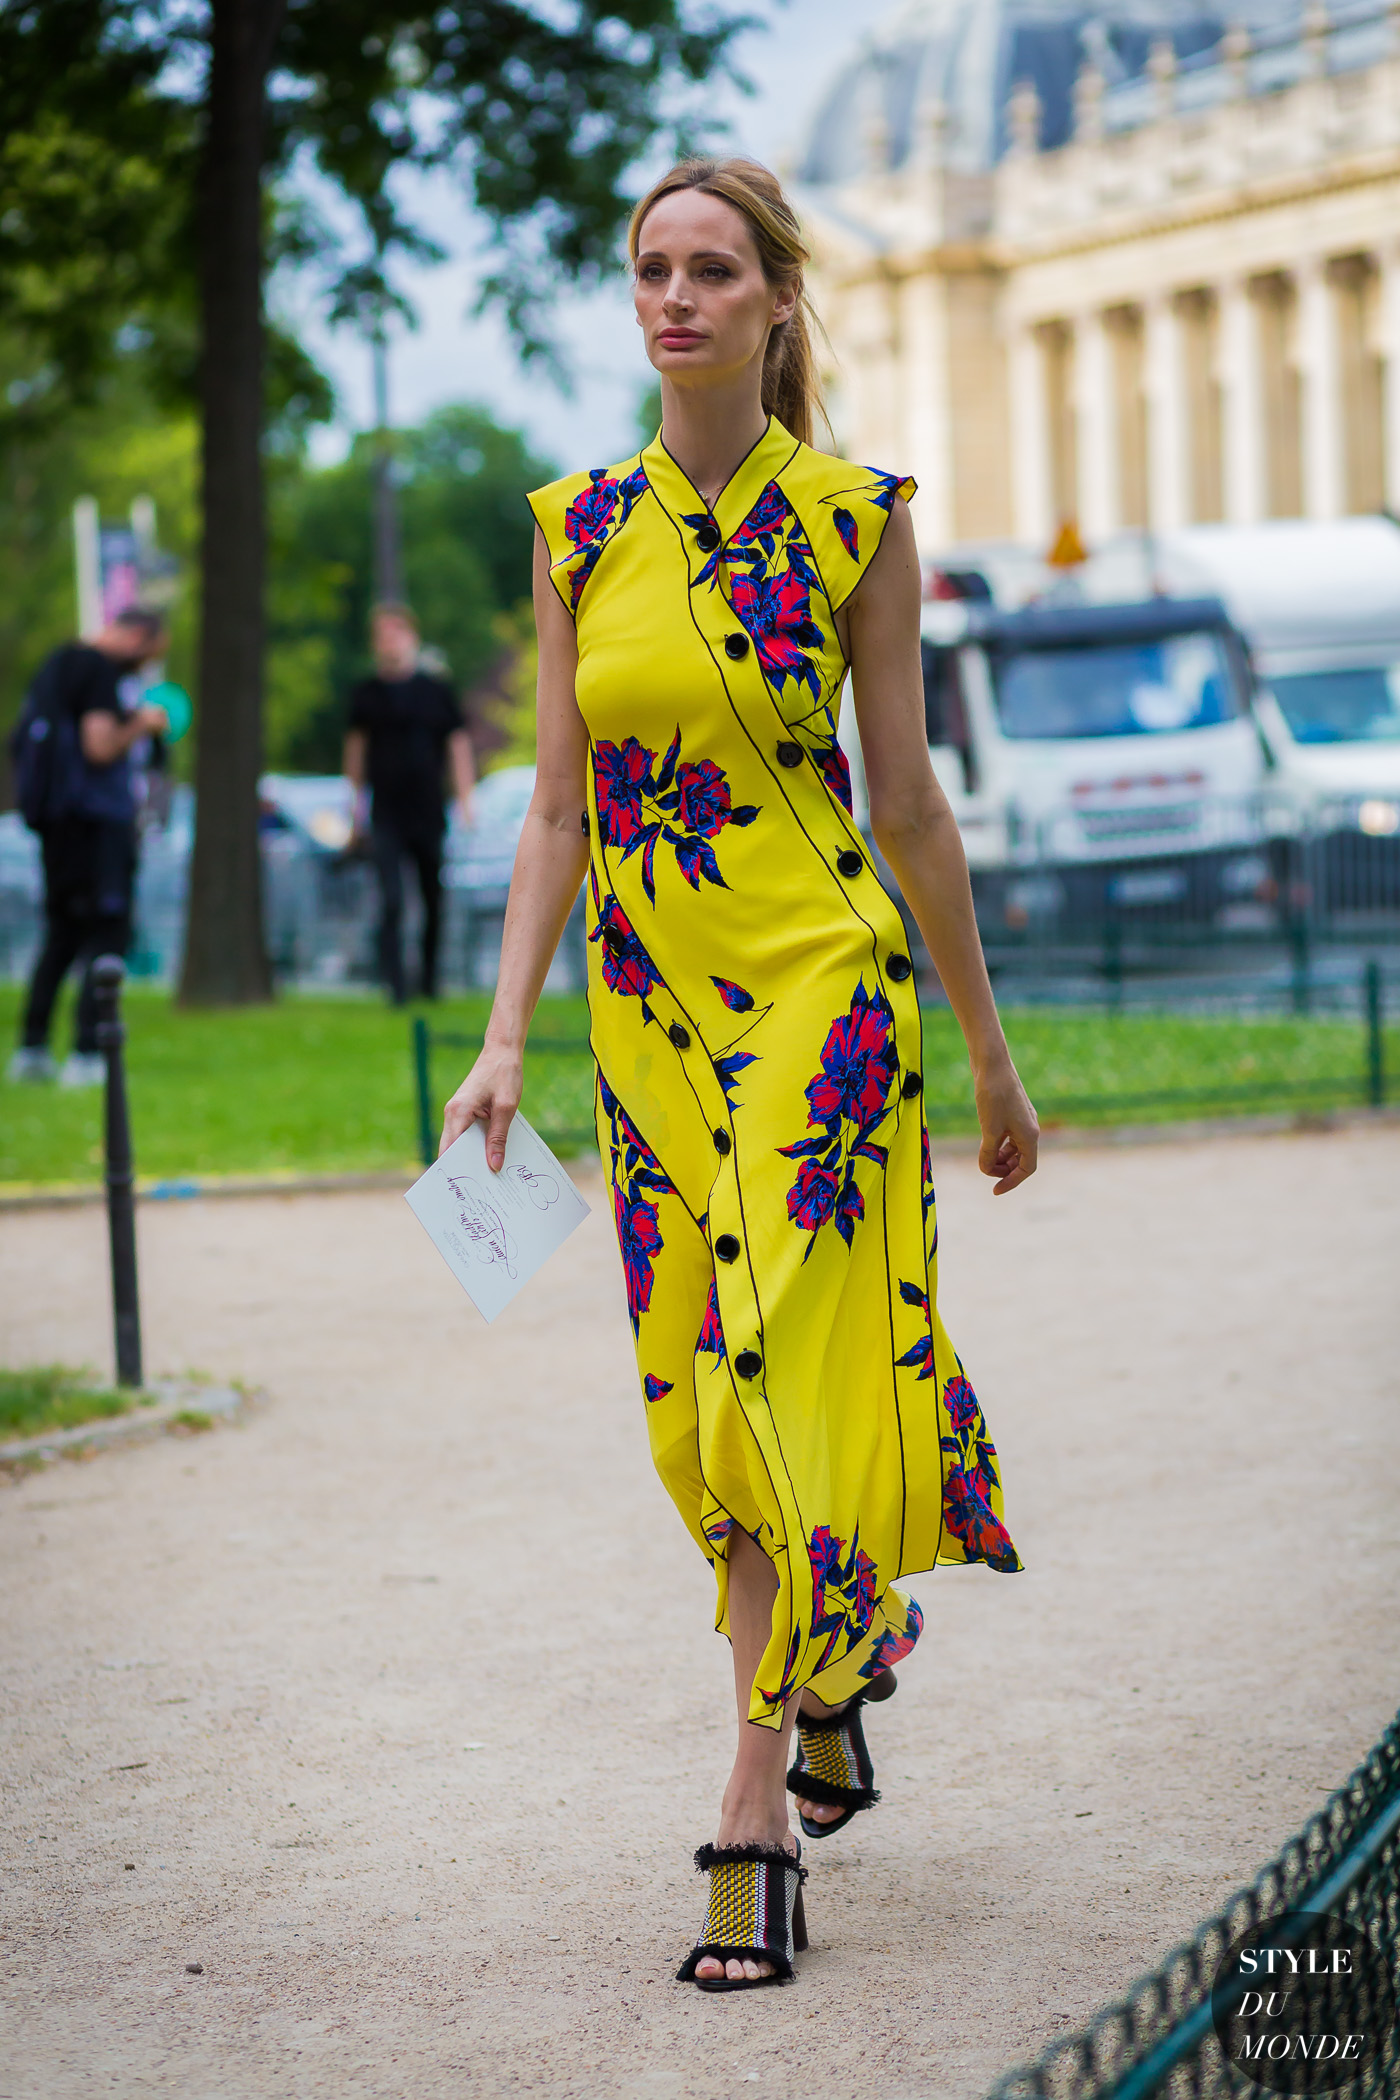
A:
x: 549, y: 865
x: 916, y: 831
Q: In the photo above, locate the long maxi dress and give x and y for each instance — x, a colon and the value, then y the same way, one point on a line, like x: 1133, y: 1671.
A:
x: 756, y: 1026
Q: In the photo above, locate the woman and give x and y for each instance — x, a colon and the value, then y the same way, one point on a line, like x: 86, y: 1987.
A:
x: 755, y: 1018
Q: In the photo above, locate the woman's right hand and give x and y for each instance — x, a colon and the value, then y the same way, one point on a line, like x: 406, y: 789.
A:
x: 489, y: 1094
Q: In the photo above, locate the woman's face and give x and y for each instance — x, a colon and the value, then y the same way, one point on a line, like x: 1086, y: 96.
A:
x: 703, y: 302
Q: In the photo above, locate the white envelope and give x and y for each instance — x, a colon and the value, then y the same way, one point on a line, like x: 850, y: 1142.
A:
x: 495, y: 1230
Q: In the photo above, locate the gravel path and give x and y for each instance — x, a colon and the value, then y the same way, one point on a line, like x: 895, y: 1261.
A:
x: 399, y: 1710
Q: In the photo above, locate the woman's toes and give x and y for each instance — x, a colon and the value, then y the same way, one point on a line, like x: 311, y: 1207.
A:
x: 709, y: 1968
x: 819, y: 1811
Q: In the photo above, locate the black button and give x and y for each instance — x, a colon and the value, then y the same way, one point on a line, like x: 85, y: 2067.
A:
x: 849, y: 862
x: 614, y: 941
x: 898, y: 967
x: 707, y: 536
x: 748, y: 1363
x: 789, y: 754
x: 913, y: 1084
x: 583, y: 820
x: 679, y: 1036
x: 736, y: 645
x: 727, y: 1247
x: 721, y: 1138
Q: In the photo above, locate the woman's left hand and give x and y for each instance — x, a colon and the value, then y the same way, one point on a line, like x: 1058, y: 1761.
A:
x: 1010, y: 1132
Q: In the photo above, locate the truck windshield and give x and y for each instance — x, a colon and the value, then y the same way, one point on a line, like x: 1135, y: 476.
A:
x: 1184, y: 681
x: 1360, y: 706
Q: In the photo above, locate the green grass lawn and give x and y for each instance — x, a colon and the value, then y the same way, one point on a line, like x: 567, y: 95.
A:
x: 321, y: 1085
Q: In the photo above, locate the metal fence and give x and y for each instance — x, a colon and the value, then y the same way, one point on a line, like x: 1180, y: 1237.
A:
x: 1162, y: 2037
x: 1206, y: 1047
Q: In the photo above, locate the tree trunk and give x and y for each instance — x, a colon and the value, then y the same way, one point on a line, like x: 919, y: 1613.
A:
x: 225, y: 955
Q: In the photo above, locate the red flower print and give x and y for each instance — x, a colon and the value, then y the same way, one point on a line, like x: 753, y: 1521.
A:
x: 767, y: 515
x: 621, y: 774
x: 850, y: 537
x: 589, y: 515
x: 595, y: 514
x: 847, y: 1101
x: 858, y: 1064
x: 971, y: 1519
x: 843, y: 1590
x: 639, y: 1237
x: 777, y: 617
x: 835, y: 770
x: 892, y: 1647
x: 703, y: 793
x: 711, y: 1338
x: 627, y: 968
x: 812, y: 1197
x: 964, y: 1408
x: 657, y: 1388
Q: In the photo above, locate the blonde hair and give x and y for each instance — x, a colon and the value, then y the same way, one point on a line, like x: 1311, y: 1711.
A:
x: 791, y: 388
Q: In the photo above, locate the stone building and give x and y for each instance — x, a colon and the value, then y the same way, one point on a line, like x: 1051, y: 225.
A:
x: 1135, y: 264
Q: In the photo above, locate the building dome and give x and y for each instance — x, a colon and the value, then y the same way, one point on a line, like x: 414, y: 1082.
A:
x: 961, y: 59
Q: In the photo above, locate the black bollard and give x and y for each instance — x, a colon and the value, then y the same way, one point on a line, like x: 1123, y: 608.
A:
x: 107, y: 975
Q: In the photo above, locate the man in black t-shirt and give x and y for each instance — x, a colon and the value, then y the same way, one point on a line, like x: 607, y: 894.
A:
x: 405, y: 726
x: 89, y: 846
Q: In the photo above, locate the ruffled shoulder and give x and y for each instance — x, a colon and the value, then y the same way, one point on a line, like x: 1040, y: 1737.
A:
x: 845, y: 509
x: 579, y: 514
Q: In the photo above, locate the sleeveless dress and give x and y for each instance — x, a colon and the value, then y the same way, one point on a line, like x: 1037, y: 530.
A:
x: 757, y: 1033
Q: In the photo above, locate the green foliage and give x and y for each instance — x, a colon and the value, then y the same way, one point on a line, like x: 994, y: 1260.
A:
x: 54, y: 1396
x: 467, y: 538
x: 96, y: 172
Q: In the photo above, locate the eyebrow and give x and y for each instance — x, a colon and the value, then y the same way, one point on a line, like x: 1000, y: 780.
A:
x: 696, y: 255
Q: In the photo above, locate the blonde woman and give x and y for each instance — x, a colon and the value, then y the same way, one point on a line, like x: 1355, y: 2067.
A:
x: 755, y: 1017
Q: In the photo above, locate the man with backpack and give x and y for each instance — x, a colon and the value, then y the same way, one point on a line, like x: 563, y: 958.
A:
x: 71, y: 752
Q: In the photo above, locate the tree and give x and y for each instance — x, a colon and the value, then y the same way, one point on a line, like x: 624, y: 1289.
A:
x: 541, y: 112
x: 467, y: 543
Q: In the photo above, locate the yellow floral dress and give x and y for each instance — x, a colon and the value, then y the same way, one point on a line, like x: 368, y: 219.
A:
x: 756, y: 1026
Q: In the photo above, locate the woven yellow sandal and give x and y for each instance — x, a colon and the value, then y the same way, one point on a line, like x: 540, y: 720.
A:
x: 833, y: 1764
x: 754, y: 1914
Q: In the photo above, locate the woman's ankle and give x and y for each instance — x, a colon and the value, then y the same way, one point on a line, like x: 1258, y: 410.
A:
x: 753, y: 1819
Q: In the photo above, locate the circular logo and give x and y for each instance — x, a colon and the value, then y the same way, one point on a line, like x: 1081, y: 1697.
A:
x: 1303, y: 2004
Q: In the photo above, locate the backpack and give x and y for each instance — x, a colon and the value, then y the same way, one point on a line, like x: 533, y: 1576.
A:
x: 44, y: 750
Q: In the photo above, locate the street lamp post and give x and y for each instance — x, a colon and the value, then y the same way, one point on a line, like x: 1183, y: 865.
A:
x: 387, y: 565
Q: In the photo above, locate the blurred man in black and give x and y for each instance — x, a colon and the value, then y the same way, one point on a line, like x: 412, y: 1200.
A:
x: 404, y: 725
x: 88, y: 831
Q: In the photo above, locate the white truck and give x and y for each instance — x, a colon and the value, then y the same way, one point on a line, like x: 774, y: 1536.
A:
x: 1098, y: 750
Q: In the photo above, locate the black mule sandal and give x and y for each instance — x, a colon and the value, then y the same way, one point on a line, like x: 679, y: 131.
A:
x: 833, y: 1764
x: 754, y: 1914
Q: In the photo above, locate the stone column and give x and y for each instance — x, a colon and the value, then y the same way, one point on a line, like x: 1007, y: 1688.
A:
x: 1096, y: 428
x: 925, y: 431
x: 1323, y: 461
x: 1168, y: 438
x: 1389, y: 261
x: 1031, y: 495
x: 1242, y: 404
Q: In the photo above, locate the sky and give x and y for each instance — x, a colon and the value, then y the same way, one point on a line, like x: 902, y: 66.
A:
x: 453, y: 356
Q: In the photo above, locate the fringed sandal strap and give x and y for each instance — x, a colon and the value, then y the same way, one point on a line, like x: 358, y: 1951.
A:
x: 753, y: 1893
x: 833, y: 1764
